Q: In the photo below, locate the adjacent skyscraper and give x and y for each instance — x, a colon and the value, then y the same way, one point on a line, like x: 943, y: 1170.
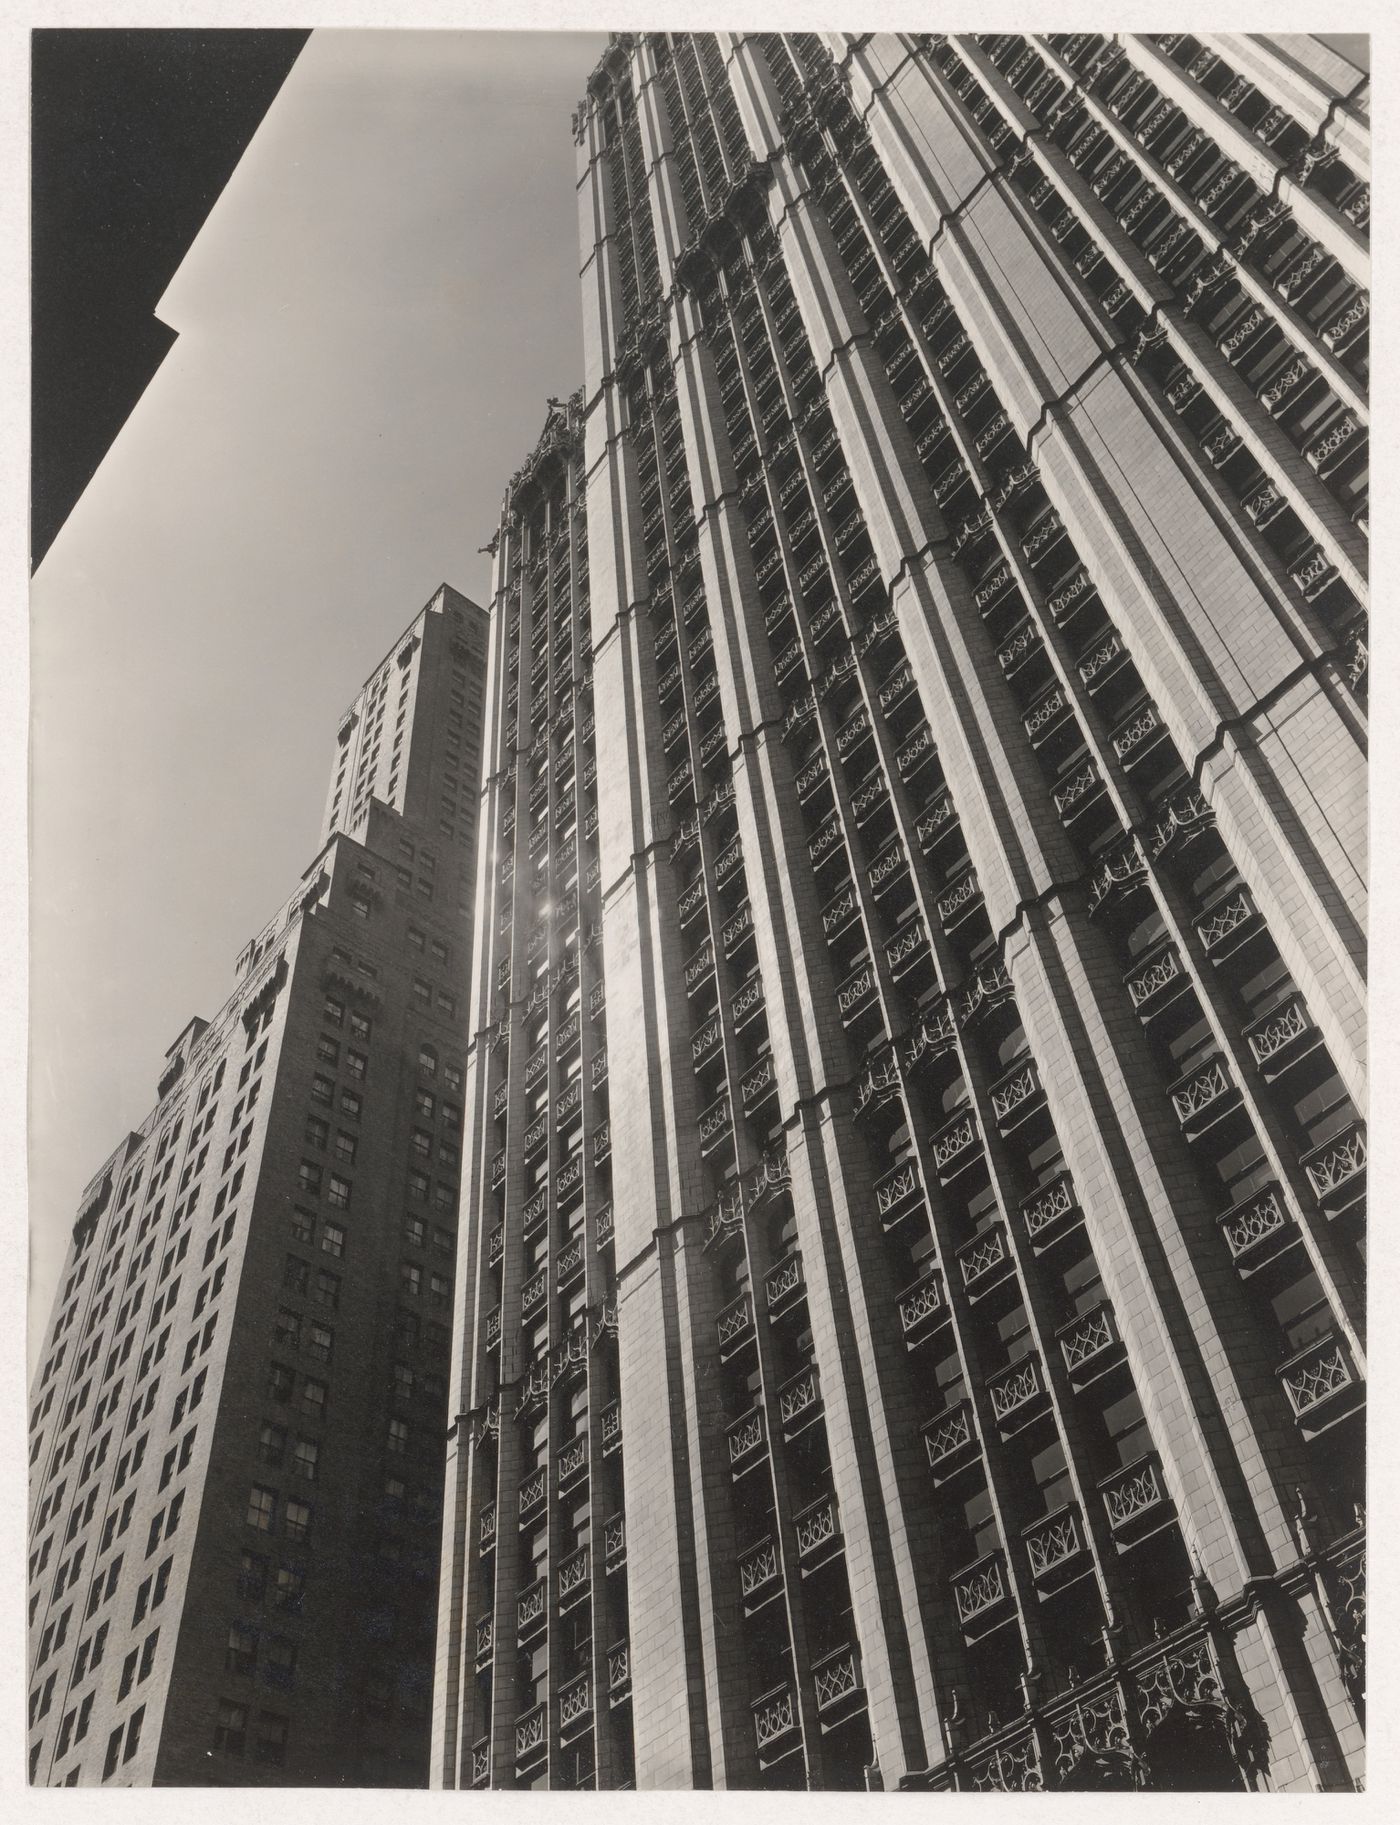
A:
x: 909, y: 1327
x: 236, y: 1437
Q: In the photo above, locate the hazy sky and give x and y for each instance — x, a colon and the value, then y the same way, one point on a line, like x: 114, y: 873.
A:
x: 368, y: 323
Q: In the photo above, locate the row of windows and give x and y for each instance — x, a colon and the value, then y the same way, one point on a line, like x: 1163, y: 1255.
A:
x: 361, y: 1026
x: 268, y: 1733
x: 356, y: 1063
x: 337, y: 1188
x: 323, y: 1091
x: 129, y: 1736
x: 424, y: 995
x: 288, y: 1582
x: 439, y: 1290
x: 305, y: 1229
x: 305, y: 1455
x: 290, y: 1333
x: 281, y: 1380
x: 318, y: 1136
x: 415, y: 1232
x: 247, y: 1650
x: 261, y: 1513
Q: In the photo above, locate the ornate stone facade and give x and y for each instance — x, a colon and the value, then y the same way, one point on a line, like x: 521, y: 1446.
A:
x: 927, y: 728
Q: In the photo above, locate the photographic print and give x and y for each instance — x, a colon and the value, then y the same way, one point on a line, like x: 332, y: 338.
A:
x: 774, y: 1198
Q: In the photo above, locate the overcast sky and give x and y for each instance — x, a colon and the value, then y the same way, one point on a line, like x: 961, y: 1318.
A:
x: 369, y: 323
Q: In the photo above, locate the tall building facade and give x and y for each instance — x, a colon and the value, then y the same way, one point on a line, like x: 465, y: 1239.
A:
x: 236, y: 1435
x: 909, y: 1321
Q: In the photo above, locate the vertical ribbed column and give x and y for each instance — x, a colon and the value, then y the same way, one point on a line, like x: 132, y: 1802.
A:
x: 468, y: 1485
x: 683, y: 1625
x: 523, y: 607
x: 871, y: 1470
x: 457, y: 1501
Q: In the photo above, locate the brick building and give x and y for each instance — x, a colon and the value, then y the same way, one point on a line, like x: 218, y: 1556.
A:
x: 236, y: 1434
x: 909, y: 1317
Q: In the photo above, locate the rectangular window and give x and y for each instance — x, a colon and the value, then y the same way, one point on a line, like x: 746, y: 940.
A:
x: 309, y: 1178
x: 305, y: 1457
x: 355, y: 1064
x: 313, y: 1398
x: 279, y: 1378
x: 262, y: 1508
x: 319, y: 1342
x: 290, y: 1584
x: 334, y: 1011
x: 345, y: 1145
x: 327, y: 1291
x: 252, y: 1575
x: 241, y: 1650
x: 297, y: 1520
x: 303, y: 1224
x: 328, y: 1051
x: 398, y: 1435
x: 360, y: 1028
x: 295, y: 1273
x: 350, y: 1105
x: 230, y: 1728
x: 317, y: 1132
x: 410, y: 1278
x: 280, y: 1662
x: 272, y: 1442
x: 333, y: 1239
x: 270, y: 1739
x: 321, y: 1089
x: 338, y: 1192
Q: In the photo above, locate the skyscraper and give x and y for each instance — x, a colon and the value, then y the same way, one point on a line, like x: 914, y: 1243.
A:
x: 236, y: 1435
x: 909, y: 1327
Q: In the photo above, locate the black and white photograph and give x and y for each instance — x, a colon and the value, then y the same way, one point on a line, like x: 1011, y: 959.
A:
x: 695, y: 787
